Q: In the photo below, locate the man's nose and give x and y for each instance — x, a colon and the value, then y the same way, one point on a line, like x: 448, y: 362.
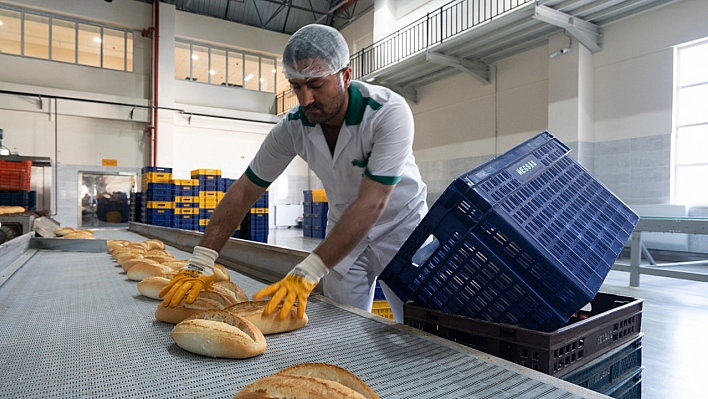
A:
x: 306, y: 96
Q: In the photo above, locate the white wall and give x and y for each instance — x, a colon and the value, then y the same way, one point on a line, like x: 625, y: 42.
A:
x: 360, y: 33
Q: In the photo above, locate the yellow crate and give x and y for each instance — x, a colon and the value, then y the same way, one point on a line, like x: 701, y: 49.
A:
x: 186, y: 211
x: 185, y: 182
x: 203, y: 222
x: 155, y: 177
x: 319, y: 195
x: 160, y: 205
x: 210, y: 195
x: 197, y: 172
x: 381, y: 308
x: 210, y: 203
x: 259, y: 210
x: 183, y: 199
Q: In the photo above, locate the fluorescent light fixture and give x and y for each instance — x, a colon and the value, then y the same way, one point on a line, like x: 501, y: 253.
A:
x: 249, y: 77
x: 97, y: 39
x: 212, y: 72
x: 195, y: 57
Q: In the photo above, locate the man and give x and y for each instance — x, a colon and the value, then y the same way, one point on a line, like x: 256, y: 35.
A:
x: 357, y: 138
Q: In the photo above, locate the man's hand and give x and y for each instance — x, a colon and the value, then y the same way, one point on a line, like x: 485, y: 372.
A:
x: 297, y: 285
x: 195, y: 276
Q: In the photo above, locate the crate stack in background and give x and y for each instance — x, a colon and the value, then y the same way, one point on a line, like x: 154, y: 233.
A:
x: 209, y: 195
x: 186, y: 204
x: 15, y: 184
x: 314, y: 213
x: 158, y: 201
x: 259, y: 219
x: 380, y: 305
x: 136, y: 204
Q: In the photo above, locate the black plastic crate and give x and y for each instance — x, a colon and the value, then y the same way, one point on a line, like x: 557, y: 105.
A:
x: 526, y: 238
x: 15, y: 198
x: 630, y: 388
x: 607, y: 370
x: 612, y: 321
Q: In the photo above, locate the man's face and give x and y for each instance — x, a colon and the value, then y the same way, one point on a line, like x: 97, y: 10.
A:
x: 322, y: 98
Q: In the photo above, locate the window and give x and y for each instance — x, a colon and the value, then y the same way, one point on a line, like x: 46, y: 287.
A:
x: 10, y: 32
x: 36, y: 36
x: 222, y: 67
x: 691, y: 133
x: 63, y: 41
x: 53, y: 38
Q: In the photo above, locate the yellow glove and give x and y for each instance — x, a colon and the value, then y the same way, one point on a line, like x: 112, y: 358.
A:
x: 297, y: 285
x: 195, y: 276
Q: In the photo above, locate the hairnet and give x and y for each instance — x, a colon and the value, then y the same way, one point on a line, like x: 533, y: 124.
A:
x: 314, y: 51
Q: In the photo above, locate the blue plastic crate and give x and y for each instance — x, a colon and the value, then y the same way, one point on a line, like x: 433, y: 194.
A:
x: 378, y: 292
x: 226, y: 184
x: 201, y: 228
x: 15, y: 198
x: 186, y: 204
x: 316, y: 219
x: 306, y: 208
x: 601, y: 374
x: 306, y: 223
x: 209, y: 186
x: 161, y: 223
x: 32, y: 200
x: 259, y: 219
x: 318, y: 232
x: 526, y: 238
x: 320, y: 208
x: 186, y: 191
x: 157, y: 169
x: 629, y: 388
x: 306, y: 231
x: 205, y: 213
x: 307, y: 194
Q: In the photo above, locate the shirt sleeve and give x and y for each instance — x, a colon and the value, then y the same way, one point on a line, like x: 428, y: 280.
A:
x: 274, y: 155
x: 393, y: 143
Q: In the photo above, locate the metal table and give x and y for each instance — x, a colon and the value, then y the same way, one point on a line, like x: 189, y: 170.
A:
x: 662, y: 225
x: 73, y: 326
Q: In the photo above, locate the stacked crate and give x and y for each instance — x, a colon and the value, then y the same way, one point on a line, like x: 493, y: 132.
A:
x: 15, y: 183
x: 209, y: 195
x: 186, y: 204
x: 259, y: 219
x: 158, y: 206
x: 315, y: 208
x: 135, y: 207
x: 380, y: 305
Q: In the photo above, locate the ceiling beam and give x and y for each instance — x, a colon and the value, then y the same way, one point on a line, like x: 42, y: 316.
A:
x: 477, y: 69
x: 408, y: 93
x: 589, y: 34
x: 332, y: 10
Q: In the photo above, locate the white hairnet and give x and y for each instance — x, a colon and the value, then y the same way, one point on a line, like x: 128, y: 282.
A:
x: 314, y: 51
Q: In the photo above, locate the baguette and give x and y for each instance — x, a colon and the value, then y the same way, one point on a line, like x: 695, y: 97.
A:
x: 155, y: 244
x: 128, y: 263
x: 145, y: 269
x: 253, y: 312
x: 216, y: 333
x: 183, y: 310
x: 158, y: 252
x: 151, y: 286
x: 159, y: 258
x: 113, y: 244
x: 175, y: 264
x: 60, y: 232
x: 332, y: 373
x: 220, y: 273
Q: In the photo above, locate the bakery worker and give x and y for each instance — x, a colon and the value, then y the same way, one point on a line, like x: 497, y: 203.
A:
x: 357, y: 138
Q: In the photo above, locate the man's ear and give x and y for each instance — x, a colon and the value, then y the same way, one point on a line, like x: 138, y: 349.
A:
x: 347, y: 76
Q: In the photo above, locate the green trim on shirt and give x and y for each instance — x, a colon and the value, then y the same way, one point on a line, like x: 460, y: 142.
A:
x: 300, y: 115
x: 387, y: 180
x: 255, y: 179
x: 357, y: 106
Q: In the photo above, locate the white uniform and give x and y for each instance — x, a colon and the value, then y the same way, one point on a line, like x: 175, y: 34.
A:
x: 375, y: 140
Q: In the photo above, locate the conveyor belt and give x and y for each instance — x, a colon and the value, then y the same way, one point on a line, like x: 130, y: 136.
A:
x: 73, y: 326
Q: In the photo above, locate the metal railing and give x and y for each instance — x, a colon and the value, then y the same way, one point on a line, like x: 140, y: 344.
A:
x: 435, y: 27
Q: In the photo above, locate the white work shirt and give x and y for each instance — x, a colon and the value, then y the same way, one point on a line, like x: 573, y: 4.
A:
x: 375, y: 140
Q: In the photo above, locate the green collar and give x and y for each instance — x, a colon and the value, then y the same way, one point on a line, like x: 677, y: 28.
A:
x: 355, y: 110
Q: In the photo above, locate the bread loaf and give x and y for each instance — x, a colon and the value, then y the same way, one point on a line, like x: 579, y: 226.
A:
x: 60, y: 232
x: 332, y: 373
x: 113, y: 244
x: 151, y: 286
x: 143, y: 270
x: 141, y: 245
x: 158, y: 252
x: 253, y: 312
x: 183, y: 310
x: 127, y: 250
x: 128, y: 263
x: 220, y: 273
x: 159, y: 258
x: 239, y: 293
x: 155, y: 244
x: 283, y: 386
x: 175, y: 264
x: 227, y: 296
x: 217, y: 333
x: 10, y: 209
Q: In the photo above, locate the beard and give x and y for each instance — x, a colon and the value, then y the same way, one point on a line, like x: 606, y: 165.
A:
x: 319, y: 113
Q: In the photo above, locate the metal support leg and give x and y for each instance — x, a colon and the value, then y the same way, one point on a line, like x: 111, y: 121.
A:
x: 635, y: 258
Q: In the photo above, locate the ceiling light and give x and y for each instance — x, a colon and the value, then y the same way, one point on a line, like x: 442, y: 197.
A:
x: 97, y: 39
x: 249, y: 77
x: 0, y: 23
x: 212, y: 72
x: 273, y: 70
x: 261, y: 80
x: 195, y: 57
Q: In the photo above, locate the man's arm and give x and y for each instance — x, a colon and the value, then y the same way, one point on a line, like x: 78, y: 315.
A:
x: 356, y: 222
x: 230, y: 212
